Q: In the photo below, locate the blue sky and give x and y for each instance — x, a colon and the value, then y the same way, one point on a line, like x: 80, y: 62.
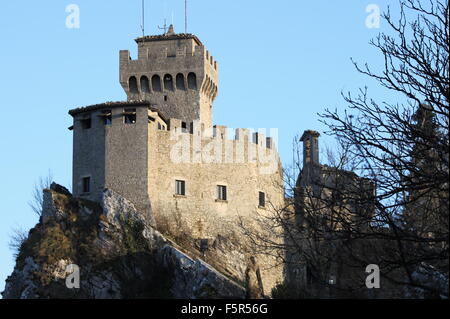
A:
x: 281, y: 62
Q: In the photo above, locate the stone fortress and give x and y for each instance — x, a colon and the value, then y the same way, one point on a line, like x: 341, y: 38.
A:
x: 160, y: 150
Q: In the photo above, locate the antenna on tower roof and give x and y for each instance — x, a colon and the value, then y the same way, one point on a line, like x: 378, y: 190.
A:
x: 185, y: 16
x: 143, y: 18
x: 164, y: 27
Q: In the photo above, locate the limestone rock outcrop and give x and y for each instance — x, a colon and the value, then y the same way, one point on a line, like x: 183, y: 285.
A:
x: 115, y: 251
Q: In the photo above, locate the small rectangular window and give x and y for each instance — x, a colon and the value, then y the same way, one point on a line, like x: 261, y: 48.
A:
x: 180, y: 188
x: 262, y: 199
x: 86, y: 184
x: 106, y: 117
x: 268, y: 142
x: 129, y: 116
x: 221, y: 192
x: 184, y: 127
x: 256, y: 138
x: 86, y: 123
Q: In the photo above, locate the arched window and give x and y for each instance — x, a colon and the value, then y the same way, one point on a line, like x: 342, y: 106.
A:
x: 145, y: 84
x: 192, y: 81
x: 156, y: 83
x: 132, y: 84
x: 180, y: 82
x: 168, y: 82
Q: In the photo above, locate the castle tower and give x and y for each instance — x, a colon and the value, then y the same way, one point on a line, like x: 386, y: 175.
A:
x: 175, y: 73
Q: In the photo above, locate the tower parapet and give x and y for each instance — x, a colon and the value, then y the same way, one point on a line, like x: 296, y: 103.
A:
x: 175, y: 72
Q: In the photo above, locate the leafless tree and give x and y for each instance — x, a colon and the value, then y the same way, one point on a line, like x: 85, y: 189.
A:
x: 37, y: 196
x: 383, y: 198
x: 16, y: 240
x: 403, y: 146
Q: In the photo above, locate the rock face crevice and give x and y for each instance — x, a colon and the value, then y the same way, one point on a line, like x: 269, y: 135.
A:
x: 118, y: 254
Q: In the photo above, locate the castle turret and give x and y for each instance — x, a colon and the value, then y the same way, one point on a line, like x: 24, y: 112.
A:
x: 175, y: 73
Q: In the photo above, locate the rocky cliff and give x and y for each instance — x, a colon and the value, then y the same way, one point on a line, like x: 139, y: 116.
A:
x: 113, y: 251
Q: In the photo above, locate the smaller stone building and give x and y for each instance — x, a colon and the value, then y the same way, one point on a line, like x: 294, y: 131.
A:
x: 331, y: 204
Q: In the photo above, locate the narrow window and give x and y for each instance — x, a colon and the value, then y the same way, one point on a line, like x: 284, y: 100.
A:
x: 106, y: 117
x: 192, y: 81
x: 156, y: 83
x: 256, y: 138
x: 268, y: 142
x: 180, y: 82
x: 262, y: 199
x: 159, y: 126
x: 184, y: 127
x: 145, y: 84
x: 86, y: 123
x: 221, y: 192
x: 132, y: 83
x: 168, y: 82
x: 180, y: 188
x: 86, y: 184
x: 129, y: 116
x: 166, y: 98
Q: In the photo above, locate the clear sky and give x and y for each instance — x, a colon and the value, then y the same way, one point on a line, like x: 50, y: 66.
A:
x: 281, y: 62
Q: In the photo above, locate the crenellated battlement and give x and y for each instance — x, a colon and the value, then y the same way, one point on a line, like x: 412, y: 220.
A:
x: 175, y: 72
x: 191, y: 144
x: 166, y: 58
x: 211, y: 60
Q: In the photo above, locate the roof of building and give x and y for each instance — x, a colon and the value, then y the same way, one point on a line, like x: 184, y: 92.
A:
x: 336, y: 171
x: 169, y: 36
x: 116, y: 104
x: 308, y: 133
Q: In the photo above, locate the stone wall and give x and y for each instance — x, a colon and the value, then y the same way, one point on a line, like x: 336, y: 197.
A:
x: 200, y: 212
x: 88, y: 155
x: 113, y: 156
